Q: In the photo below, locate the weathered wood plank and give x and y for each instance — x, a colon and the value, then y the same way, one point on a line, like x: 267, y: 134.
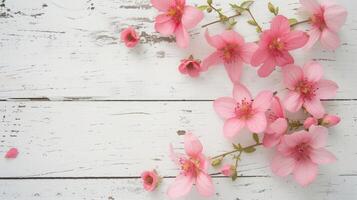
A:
x: 123, y: 138
x: 70, y: 50
x: 340, y: 187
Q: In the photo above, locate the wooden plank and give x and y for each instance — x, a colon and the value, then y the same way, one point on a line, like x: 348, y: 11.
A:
x: 340, y: 187
x: 66, y: 139
x: 70, y: 50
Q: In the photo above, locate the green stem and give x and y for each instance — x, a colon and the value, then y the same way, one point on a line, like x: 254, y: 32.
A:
x: 235, y: 150
x: 300, y: 22
x: 217, y: 21
x: 253, y: 18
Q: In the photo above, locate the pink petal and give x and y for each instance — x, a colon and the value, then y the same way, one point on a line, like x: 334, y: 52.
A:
x: 182, y: 38
x: 191, y: 17
x: 234, y: 70
x: 257, y: 123
x: 12, y: 153
x: 212, y: 59
x: 326, y: 89
x: 161, y: 5
x: 193, y: 146
x: 314, y: 107
x: 335, y: 16
x: 295, y: 39
x: 296, y: 138
x: 305, y: 172
x: 310, y: 5
x: 293, y: 101
x: 215, y: 41
x: 204, y: 185
x: 247, y: 50
x: 284, y: 58
x: 318, y: 136
x: 232, y: 127
x: 313, y: 71
x: 271, y: 140
x: 180, y: 187
x: 267, y: 68
x: 279, y: 126
x: 314, y: 35
x: 322, y: 156
x: 282, y: 165
x: 166, y: 27
x: 280, y: 25
x: 263, y: 101
x: 232, y: 37
x: 240, y: 92
x: 277, y: 108
x: 259, y: 56
x: 292, y: 74
x: 162, y: 18
x: 175, y: 157
x: 329, y: 40
x: 225, y: 107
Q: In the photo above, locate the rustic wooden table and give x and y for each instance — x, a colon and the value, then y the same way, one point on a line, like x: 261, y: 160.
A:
x: 88, y: 115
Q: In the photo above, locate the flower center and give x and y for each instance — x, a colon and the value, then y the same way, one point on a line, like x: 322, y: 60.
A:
x: 244, y: 109
x: 176, y: 13
x: 302, y: 151
x: 229, y: 53
x: 318, y: 21
x: 306, y: 89
x: 190, y: 166
x: 276, y: 44
x: 130, y: 37
x: 148, y: 180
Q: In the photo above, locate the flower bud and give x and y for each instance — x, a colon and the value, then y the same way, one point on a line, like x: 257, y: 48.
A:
x: 227, y: 170
x: 330, y: 120
x: 309, y: 122
x: 216, y: 162
x: 150, y: 180
x: 191, y: 67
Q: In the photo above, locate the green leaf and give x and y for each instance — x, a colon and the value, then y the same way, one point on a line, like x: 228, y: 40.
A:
x: 209, y: 2
x: 203, y: 7
x: 256, y: 138
x: 234, y: 176
x: 209, y: 9
x: 237, y: 8
x: 216, y: 162
x: 292, y: 21
x: 252, y: 22
x: 276, y: 11
x: 258, y: 30
x: 246, y: 4
x: 271, y: 7
x: 237, y: 147
x: 249, y: 149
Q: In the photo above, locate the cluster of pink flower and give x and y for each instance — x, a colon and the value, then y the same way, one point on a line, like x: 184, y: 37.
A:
x: 300, y: 146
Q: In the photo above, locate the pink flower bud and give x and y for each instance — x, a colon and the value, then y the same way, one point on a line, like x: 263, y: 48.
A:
x: 309, y: 122
x: 12, y: 153
x: 330, y: 120
x: 191, y: 67
x: 129, y: 37
x: 227, y: 170
x: 150, y: 180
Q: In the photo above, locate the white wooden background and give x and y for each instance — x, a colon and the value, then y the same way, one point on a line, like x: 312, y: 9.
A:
x: 88, y: 115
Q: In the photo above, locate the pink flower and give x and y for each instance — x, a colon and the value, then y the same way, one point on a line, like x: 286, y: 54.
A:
x: 241, y: 111
x: 227, y: 170
x: 194, y: 167
x: 129, y: 37
x: 191, y: 67
x: 300, y: 153
x: 330, y: 120
x: 231, y: 50
x: 12, y: 153
x: 310, y: 121
x: 326, y: 19
x: 176, y: 18
x: 150, y: 180
x: 277, y: 124
x: 306, y: 88
x: 275, y: 44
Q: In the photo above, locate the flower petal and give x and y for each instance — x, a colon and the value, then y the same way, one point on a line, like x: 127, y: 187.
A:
x: 326, y: 89
x: 318, y: 136
x: 322, y: 156
x: 232, y: 127
x: 193, y: 146
x: 212, y: 59
x: 282, y: 165
x: 232, y: 37
x: 247, y: 51
x: 329, y: 40
x: 161, y: 5
x: 313, y: 71
x: 293, y: 101
x: 215, y: 41
x: 225, y: 107
x: 292, y: 74
x: 335, y: 16
x: 263, y: 101
x: 240, y: 92
x: 295, y: 39
x: 234, y: 70
x: 267, y: 68
x: 180, y: 187
x: 166, y: 27
x: 271, y: 140
x: 257, y: 123
x: 204, y: 185
x: 314, y: 107
x: 277, y: 108
x: 191, y: 17
x: 279, y: 126
x: 175, y: 157
x: 284, y: 58
x: 305, y: 172
x: 310, y: 5
x: 280, y: 25
x: 182, y: 38
x: 259, y: 56
x: 314, y: 35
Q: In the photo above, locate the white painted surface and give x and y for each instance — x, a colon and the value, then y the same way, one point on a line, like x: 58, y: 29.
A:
x: 68, y: 51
